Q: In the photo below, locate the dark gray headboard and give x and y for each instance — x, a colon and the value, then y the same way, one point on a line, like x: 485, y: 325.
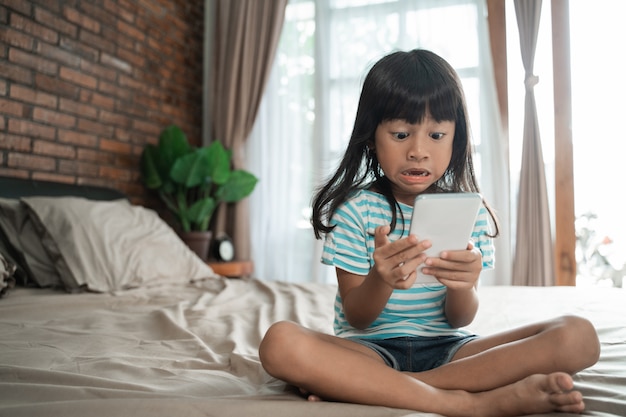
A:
x: 19, y: 187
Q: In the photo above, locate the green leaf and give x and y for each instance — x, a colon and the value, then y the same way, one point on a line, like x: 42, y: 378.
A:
x: 240, y: 184
x: 149, y: 167
x: 173, y: 144
x: 219, y: 162
x: 192, y: 169
x: 200, y: 212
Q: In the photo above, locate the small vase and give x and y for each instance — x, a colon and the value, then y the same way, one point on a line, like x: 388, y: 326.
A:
x: 198, y: 242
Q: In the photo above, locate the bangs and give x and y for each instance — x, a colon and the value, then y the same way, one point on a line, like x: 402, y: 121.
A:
x: 415, y: 87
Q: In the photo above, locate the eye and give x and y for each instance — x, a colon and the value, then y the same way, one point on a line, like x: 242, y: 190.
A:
x: 401, y: 135
x: 437, y: 135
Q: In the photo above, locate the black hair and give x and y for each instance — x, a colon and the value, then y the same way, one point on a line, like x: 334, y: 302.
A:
x: 407, y: 86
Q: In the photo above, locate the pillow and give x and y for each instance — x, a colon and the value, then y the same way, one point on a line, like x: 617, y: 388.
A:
x: 6, y: 275
x: 22, y: 245
x: 108, y: 246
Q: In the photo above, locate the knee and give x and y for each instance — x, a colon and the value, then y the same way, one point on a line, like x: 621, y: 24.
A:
x: 579, y: 337
x: 278, y: 347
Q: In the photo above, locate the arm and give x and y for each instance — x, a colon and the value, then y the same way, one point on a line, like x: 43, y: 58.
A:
x: 395, y: 263
x: 459, y: 272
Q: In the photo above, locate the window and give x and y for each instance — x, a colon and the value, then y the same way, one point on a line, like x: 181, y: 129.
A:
x: 306, y: 116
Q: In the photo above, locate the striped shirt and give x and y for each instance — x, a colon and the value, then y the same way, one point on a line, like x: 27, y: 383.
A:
x: 418, y: 311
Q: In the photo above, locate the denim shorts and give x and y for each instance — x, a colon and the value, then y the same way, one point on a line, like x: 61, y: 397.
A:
x: 416, y: 354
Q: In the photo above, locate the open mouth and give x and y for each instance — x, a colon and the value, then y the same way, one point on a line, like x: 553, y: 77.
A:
x: 416, y: 172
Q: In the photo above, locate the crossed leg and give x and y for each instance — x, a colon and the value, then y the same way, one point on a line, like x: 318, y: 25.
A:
x: 567, y: 344
x: 339, y: 369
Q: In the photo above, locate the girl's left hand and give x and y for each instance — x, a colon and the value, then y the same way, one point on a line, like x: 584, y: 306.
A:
x: 456, y: 269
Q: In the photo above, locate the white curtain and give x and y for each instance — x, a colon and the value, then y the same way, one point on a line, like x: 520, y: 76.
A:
x: 306, y: 115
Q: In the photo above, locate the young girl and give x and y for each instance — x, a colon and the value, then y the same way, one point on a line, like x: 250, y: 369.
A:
x: 398, y: 344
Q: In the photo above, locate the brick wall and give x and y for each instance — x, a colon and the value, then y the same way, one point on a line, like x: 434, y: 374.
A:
x: 85, y: 84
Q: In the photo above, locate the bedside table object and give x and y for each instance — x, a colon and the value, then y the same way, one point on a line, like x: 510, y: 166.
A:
x: 234, y: 269
x: 223, y: 249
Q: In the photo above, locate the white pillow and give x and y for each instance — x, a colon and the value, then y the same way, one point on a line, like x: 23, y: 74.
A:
x: 111, y: 245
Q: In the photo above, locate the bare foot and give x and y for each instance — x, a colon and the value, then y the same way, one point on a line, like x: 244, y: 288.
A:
x: 532, y: 395
x: 309, y: 396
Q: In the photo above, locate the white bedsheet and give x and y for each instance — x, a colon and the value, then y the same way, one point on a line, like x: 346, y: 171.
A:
x: 191, y: 350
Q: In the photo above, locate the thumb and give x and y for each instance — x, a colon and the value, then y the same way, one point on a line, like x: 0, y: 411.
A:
x: 380, y: 236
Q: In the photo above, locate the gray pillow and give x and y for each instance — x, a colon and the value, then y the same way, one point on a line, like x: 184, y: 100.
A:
x: 23, y: 244
x: 7, y: 269
x: 108, y: 246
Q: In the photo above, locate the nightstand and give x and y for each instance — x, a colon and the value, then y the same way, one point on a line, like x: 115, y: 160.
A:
x: 234, y: 269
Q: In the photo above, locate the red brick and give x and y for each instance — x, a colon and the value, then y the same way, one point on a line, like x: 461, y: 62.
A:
x: 78, y: 108
x: 95, y: 128
x: 33, y: 96
x: 35, y: 29
x: 12, y: 37
x: 32, y: 162
x: 15, y: 73
x: 147, y: 127
x: 153, y: 8
x: 130, y: 30
x: 56, y: 86
x: 13, y: 173
x: 80, y: 19
x: 18, y: 5
x: 114, y: 90
x: 78, y: 168
x: 132, y: 57
x: 76, y: 138
x: 3, y: 87
x: 97, y: 41
x: 78, y: 48
x: 114, y: 119
x: 52, y: 177
x: 78, y: 77
x: 98, y: 70
x: 97, y: 99
x: 118, y: 10
x: 53, y: 117
x: 55, y: 22
x: 92, y: 155
x: 98, y: 14
x: 57, y: 54
x: 131, y: 6
x: 42, y: 147
x: 115, y: 173
x: 114, y: 146
x: 28, y: 128
x: 15, y: 143
x: 116, y: 63
x: 129, y: 83
x: 12, y: 107
x: 32, y: 61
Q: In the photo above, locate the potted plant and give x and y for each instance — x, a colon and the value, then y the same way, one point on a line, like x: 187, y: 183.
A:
x: 193, y: 181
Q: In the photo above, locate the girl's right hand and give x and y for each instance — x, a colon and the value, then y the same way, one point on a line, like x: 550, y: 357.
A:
x: 396, y: 262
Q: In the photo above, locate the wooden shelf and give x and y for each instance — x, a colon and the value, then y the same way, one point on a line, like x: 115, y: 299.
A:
x: 234, y: 269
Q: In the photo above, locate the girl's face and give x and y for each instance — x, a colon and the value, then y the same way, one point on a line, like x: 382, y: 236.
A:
x: 413, y: 156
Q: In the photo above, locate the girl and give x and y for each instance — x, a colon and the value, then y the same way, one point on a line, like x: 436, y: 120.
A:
x: 398, y: 344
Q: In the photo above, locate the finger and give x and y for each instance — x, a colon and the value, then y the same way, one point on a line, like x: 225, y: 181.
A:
x: 380, y: 236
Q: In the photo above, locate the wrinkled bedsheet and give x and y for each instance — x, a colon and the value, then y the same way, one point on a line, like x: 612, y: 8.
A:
x: 191, y: 350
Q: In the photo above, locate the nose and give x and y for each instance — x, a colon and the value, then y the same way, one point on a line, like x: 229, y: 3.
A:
x: 417, y: 150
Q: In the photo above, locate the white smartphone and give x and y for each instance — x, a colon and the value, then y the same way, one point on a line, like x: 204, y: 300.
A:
x: 447, y: 220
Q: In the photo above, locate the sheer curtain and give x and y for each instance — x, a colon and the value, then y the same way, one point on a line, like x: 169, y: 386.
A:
x: 306, y: 115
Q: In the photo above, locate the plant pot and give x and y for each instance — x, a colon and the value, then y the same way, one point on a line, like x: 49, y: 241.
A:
x: 198, y: 242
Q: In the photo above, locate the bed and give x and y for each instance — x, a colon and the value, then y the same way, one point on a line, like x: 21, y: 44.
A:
x: 104, y: 312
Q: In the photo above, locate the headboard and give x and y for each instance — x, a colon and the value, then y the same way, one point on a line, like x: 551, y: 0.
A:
x: 19, y: 187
